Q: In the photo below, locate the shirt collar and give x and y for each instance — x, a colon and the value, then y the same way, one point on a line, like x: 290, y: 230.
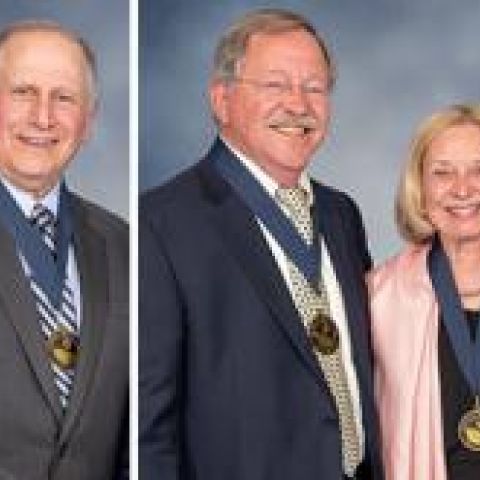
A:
x: 25, y: 200
x: 267, y: 182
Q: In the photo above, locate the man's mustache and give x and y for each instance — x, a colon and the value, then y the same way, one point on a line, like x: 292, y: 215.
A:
x: 294, y: 121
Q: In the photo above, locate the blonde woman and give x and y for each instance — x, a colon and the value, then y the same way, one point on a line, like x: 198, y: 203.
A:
x: 426, y: 306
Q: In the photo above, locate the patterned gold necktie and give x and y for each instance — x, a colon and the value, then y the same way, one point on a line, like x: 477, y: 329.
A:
x: 310, y: 303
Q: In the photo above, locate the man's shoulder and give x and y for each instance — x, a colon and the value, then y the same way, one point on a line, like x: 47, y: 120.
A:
x: 99, y: 218
x: 182, y: 193
x: 173, y: 188
x: 188, y: 190
x: 325, y: 193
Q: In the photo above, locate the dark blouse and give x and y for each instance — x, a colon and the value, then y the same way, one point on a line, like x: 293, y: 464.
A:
x: 457, y: 398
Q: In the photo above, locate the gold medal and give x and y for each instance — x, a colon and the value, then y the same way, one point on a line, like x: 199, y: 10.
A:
x: 323, y: 334
x: 469, y: 428
x: 63, y: 347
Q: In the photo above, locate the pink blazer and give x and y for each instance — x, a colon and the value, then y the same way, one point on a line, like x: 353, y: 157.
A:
x: 405, y: 343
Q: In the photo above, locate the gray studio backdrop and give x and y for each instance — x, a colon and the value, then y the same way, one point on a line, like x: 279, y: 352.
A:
x: 100, y: 171
x: 398, y: 60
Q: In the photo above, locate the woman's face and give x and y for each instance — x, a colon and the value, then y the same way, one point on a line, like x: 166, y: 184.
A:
x: 451, y: 183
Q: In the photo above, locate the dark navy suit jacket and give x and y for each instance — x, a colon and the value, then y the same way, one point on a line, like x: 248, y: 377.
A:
x: 230, y: 388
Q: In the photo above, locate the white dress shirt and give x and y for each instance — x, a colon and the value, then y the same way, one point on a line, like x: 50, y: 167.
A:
x: 335, y: 297
x: 25, y: 202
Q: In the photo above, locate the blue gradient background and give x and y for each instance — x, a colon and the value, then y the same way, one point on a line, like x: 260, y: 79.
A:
x: 397, y: 60
x: 100, y: 170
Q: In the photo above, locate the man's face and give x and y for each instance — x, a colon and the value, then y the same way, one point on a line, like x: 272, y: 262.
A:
x: 45, y: 108
x: 277, y: 111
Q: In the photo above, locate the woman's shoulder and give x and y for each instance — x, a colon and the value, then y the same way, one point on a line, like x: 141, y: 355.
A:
x: 407, y: 267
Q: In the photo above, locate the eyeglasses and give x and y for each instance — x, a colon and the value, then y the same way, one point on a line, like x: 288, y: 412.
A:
x: 277, y: 88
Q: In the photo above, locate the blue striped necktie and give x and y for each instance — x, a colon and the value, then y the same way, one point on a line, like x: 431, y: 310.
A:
x: 58, y: 323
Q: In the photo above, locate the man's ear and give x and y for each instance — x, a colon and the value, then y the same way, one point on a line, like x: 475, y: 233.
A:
x: 90, y: 119
x: 218, y: 92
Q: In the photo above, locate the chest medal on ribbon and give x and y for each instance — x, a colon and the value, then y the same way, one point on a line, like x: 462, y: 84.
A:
x: 469, y: 428
x: 323, y: 334
x: 466, y: 351
x: 63, y: 347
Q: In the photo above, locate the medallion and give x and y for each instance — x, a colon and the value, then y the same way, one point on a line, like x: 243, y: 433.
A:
x: 323, y: 334
x: 469, y: 428
x: 63, y: 347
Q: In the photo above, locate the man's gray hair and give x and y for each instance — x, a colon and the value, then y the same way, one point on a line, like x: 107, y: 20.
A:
x: 233, y: 44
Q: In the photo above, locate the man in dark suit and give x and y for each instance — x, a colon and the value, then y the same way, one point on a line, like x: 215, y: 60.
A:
x: 64, y: 277
x: 254, y: 345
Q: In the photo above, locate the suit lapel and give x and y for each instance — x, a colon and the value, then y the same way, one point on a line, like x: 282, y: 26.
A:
x: 91, y: 259
x: 17, y: 298
x: 241, y: 233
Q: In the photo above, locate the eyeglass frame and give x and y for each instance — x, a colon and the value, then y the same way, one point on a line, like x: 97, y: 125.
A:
x: 278, y: 88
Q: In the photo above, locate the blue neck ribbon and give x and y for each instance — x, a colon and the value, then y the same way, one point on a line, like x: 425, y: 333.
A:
x: 48, y: 272
x: 261, y: 204
x: 466, y: 351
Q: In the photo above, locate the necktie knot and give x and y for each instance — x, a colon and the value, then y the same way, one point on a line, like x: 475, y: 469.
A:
x: 295, y: 201
x: 294, y: 198
x: 44, y: 219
